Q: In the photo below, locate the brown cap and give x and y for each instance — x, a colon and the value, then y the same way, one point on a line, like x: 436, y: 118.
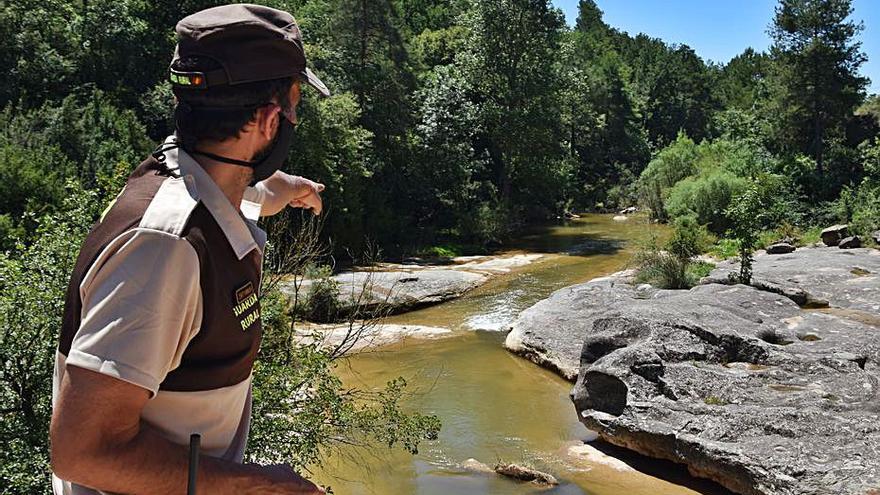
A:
x: 250, y: 42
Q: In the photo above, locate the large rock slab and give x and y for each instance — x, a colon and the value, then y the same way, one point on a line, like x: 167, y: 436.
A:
x: 551, y: 332
x: 816, y: 276
x: 398, y: 291
x: 739, y: 384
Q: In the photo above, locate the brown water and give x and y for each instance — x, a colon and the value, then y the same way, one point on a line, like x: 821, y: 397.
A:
x: 496, y: 406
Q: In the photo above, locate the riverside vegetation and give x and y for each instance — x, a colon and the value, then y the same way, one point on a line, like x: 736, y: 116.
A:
x: 453, y: 123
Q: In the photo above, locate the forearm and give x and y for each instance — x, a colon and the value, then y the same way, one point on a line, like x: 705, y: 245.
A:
x: 149, y: 464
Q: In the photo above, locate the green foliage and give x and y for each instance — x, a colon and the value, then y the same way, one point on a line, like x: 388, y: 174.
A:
x: 706, y: 197
x: 750, y: 213
x: 817, y: 85
x: 321, y: 303
x: 33, y: 283
x: 674, y: 267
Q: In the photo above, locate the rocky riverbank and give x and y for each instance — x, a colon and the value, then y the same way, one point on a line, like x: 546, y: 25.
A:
x: 739, y: 383
x: 397, y: 288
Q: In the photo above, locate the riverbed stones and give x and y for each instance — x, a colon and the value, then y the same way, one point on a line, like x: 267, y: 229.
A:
x: 780, y: 248
x: 850, y: 242
x: 832, y: 235
x: 817, y: 277
x: 718, y: 379
x: 876, y: 236
x: 358, y: 335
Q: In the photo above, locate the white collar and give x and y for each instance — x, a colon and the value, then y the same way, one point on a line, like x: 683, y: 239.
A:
x: 242, y: 233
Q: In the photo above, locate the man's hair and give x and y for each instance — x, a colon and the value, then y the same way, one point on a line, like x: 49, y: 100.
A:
x: 221, y: 112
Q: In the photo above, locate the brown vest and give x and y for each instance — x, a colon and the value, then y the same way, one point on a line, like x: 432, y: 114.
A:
x: 223, y: 351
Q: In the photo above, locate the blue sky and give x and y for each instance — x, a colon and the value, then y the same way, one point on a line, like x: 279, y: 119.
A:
x: 721, y: 29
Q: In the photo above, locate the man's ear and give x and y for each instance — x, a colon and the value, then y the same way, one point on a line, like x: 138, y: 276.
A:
x: 267, y: 120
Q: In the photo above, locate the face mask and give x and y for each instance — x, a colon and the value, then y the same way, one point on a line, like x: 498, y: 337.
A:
x: 268, y: 164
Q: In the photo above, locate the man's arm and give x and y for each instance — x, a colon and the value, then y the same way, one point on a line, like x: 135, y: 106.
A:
x: 98, y: 440
x: 281, y: 190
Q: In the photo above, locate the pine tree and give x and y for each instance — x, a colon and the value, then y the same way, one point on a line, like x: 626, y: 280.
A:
x: 817, y: 77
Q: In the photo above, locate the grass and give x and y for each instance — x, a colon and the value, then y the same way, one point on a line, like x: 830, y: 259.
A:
x: 728, y: 248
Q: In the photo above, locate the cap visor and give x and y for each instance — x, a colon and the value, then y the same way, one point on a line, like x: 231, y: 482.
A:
x: 316, y: 83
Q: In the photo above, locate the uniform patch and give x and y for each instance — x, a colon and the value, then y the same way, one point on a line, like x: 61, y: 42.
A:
x: 246, y: 298
x: 244, y: 292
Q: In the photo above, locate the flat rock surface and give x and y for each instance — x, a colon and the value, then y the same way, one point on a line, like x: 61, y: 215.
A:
x: 842, y: 278
x: 739, y: 384
x: 551, y: 332
x: 359, y: 336
x: 400, y: 290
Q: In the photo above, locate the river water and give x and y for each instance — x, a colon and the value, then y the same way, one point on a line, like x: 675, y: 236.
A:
x: 495, y: 406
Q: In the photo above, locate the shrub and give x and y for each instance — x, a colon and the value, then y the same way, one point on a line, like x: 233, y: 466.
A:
x: 706, y: 197
x: 322, y: 298
x: 674, y: 268
x: 749, y: 214
x: 33, y: 282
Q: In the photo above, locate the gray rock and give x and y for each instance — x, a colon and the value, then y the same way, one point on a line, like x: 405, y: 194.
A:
x: 725, y: 380
x: 551, y: 332
x: 397, y: 291
x: 523, y: 473
x: 850, y: 242
x: 780, y: 248
x: 816, y: 277
x: 832, y: 235
x: 876, y: 236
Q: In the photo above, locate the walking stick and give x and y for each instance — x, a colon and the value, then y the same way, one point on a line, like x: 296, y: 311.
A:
x: 194, y: 441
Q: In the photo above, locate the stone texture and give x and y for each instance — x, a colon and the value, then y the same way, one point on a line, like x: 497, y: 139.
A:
x: 739, y: 383
x: 832, y: 235
x: 876, y: 236
x: 850, y: 242
x: 523, y: 473
x: 847, y: 279
x: 398, y: 291
x: 358, y: 336
x: 718, y: 379
x: 551, y: 332
x: 780, y: 248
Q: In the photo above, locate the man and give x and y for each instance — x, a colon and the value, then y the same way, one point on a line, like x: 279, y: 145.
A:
x: 162, y: 323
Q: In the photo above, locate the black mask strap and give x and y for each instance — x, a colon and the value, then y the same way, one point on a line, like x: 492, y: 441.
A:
x: 231, y: 161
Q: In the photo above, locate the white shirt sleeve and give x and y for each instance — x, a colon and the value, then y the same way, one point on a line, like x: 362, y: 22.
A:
x: 141, y: 305
x: 252, y: 202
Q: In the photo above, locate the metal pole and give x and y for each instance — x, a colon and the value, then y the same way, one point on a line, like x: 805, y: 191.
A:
x: 194, y: 442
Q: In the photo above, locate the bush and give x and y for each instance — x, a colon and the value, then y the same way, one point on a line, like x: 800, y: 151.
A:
x: 33, y: 283
x: 750, y: 213
x: 674, y: 267
x: 706, y: 197
x: 321, y: 303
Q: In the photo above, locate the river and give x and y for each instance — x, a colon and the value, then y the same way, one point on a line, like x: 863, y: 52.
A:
x: 495, y: 406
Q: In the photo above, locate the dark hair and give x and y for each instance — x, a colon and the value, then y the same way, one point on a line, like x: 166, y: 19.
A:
x: 221, y: 112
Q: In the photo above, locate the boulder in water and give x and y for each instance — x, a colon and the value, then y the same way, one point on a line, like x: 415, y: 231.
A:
x: 523, y: 473
x: 876, y: 236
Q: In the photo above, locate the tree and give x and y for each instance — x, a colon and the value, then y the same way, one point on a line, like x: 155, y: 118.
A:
x: 816, y: 75
x: 511, y: 62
